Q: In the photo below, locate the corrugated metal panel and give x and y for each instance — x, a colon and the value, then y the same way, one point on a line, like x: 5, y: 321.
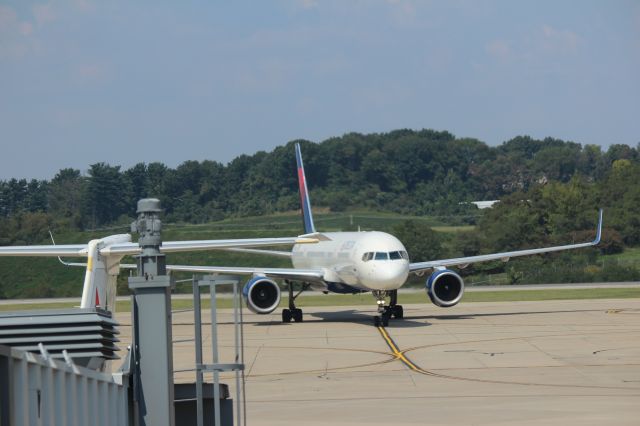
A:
x: 37, y: 390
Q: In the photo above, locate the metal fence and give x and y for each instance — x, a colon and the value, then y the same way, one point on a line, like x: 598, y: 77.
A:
x: 38, y: 390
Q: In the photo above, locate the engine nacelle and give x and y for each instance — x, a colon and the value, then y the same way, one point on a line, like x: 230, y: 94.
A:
x: 445, y: 288
x: 262, y: 295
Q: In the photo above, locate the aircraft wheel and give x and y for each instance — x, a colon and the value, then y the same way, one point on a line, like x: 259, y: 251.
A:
x: 286, y: 315
x: 384, y: 319
x: 297, y: 315
x: 398, y: 312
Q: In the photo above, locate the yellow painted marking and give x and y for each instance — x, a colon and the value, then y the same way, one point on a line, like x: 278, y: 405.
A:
x: 614, y: 311
x: 400, y: 354
x: 90, y: 263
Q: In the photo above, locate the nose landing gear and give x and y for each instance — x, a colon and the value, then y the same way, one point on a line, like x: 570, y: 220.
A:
x: 386, y: 312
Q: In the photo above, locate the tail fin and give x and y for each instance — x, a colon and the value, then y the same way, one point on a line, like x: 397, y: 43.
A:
x: 307, y: 216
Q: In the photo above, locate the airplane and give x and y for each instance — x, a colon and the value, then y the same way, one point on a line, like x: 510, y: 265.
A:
x: 336, y: 262
x: 355, y: 262
x: 104, y: 256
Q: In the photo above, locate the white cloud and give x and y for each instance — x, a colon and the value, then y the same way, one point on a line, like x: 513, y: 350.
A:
x: 26, y: 28
x: 43, y: 13
x: 307, y: 4
x: 403, y: 11
x: 91, y: 72
x: 84, y: 5
x: 499, y: 49
x: 555, y: 40
x: 538, y: 47
x: 14, y: 33
x: 7, y: 16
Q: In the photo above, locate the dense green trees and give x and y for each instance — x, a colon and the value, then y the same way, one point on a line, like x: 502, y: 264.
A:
x: 545, y: 184
x: 549, y: 189
x: 419, y: 239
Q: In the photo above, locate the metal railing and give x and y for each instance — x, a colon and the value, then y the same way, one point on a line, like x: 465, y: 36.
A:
x: 216, y: 367
x: 39, y: 390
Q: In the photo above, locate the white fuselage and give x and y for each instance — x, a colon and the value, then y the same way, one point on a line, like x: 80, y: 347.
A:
x: 363, y: 260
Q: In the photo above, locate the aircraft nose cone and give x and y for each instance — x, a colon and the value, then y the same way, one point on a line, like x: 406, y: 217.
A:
x: 389, y: 275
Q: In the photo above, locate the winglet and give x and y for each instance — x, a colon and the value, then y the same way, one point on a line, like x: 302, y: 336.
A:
x: 599, y: 231
x: 307, y: 216
x: 60, y: 258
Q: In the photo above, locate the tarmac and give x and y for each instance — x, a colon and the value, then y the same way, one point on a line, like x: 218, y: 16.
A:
x: 524, y: 363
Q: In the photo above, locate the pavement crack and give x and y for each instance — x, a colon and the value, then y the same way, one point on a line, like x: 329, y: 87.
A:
x: 255, y: 358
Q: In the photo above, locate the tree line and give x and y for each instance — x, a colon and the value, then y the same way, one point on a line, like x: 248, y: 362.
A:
x: 426, y: 172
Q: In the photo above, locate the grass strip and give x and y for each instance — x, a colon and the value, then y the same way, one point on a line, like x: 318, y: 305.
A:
x: 366, y: 299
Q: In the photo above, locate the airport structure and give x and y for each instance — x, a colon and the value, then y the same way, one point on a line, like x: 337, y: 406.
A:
x: 53, y: 364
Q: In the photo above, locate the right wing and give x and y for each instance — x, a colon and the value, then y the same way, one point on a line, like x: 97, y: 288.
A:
x: 505, y: 256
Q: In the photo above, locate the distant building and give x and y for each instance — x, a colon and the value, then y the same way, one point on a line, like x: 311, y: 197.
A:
x: 485, y: 204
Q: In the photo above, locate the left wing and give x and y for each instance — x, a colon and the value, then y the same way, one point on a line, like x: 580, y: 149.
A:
x: 465, y: 261
x: 306, y: 275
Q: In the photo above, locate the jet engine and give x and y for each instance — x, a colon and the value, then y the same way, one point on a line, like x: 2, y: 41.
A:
x: 445, y: 288
x: 262, y: 295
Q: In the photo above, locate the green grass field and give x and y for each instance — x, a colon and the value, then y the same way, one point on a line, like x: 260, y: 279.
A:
x: 405, y: 298
x: 630, y: 254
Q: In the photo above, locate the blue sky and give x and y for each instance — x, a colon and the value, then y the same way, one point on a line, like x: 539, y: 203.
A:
x: 124, y: 82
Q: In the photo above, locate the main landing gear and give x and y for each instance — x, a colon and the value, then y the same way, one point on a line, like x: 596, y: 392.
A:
x: 386, y: 312
x: 293, y: 313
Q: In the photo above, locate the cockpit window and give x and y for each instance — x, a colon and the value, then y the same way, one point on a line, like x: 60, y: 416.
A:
x: 381, y: 255
x: 395, y: 255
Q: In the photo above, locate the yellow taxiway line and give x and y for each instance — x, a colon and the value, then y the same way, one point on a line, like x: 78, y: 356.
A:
x: 400, y: 354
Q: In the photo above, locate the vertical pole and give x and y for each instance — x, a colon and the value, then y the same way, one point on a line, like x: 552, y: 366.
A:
x: 6, y: 396
x: 152, y: 341
x: 237, y: 347
x: 197, y: 320
x: 244, y: 396
x: 214, y: 353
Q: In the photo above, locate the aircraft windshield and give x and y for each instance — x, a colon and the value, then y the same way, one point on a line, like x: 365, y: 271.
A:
x: 380, y: 255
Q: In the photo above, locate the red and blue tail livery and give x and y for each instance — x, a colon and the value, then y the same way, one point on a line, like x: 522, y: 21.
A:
x: 307, y: 216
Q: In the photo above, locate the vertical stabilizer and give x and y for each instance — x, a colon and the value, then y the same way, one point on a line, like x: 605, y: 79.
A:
x: 100, y: 280
x: 307, y: 216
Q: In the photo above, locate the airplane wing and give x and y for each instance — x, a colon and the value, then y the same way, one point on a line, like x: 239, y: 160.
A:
x: 199, y: 245
x: 314, y: 236
x: 465, y: 261
x: 258, y: 251
x: 306, y: 275
x: 127, y: 248
x: 70, y: 250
